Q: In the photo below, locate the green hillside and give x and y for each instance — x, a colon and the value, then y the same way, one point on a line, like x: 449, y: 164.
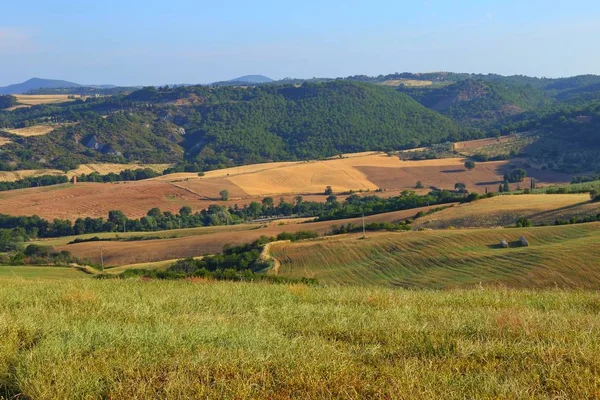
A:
x: 477, y: 103
x: 564, y: 256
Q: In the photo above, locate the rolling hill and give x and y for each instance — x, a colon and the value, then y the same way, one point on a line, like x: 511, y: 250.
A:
x: 563, y: 256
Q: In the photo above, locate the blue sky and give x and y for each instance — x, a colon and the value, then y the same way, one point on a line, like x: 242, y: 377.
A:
x: 141, y: 42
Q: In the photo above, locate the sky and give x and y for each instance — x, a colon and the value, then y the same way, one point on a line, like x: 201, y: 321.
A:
x: 151, y: 42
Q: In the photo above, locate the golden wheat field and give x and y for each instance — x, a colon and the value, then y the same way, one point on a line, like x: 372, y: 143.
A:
x: 505, y: 210
x: 34, y: 100
x: 36, y: 130
x: 359, y: 172
x: 101, y: 168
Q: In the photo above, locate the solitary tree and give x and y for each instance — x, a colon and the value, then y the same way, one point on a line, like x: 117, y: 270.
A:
x: 328, y: 191
x: 224, y: 195
x: 506, y: 187
x: 470, y: 165
x: 419, y: 185
x: 461, y: 187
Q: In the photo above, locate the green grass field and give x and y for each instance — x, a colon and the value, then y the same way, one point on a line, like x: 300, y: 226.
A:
x: 31, y: 272
x: 183, y: 339
x: 561, y: 256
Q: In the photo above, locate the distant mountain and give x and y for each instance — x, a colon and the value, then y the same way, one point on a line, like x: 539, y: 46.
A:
x: 252, y: 79
x: 34, y: 84
x: 246, y: 79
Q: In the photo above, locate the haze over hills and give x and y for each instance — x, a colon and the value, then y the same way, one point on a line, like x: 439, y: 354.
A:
x: 36, y: 83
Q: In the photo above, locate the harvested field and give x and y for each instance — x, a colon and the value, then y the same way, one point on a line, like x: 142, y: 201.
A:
x: 103, y: 169
x: 37, y: 130
x: 11, y: 176
x: 107, y: 168
x: 34, y: 100
x: 561, y: 256
x: 364, y: 171
x: 505, y: 210
x: 407, y: 82
x: 123, y: 253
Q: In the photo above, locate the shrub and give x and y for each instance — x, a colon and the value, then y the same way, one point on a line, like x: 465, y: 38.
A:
x: 523, y: 223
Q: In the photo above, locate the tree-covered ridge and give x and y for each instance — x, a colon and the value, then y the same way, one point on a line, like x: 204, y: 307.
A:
x: 216, y: 127
x: 316, y: 120
x: 477, y: 103
x: 203, y: 127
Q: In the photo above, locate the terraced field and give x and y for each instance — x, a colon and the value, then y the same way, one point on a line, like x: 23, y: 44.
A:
x: 564, y: 256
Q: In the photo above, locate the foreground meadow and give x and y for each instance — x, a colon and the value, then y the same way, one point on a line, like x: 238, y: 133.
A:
x: 188, y: 339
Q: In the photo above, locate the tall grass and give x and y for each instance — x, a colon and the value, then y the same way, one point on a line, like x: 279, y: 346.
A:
x: 185, y: 339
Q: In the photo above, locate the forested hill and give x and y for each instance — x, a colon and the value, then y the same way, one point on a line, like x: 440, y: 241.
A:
x: 216, y: 127
x: 478, y: 103
x: 316, y: 120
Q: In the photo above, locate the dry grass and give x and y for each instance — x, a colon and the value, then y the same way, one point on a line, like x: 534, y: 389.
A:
x: 34, y: 100
x: 505, y: 210
x: 136, y: 339
x: 563, y: 256
x: 4, y: 141
x: 103, y: 169
x: 158, y: 265
x: 37, y: 130
x: 407, y: 82
x: 107, y: 168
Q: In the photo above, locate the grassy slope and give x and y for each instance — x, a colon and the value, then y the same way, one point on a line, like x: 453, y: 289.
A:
x: 35, y: 273
x: 505, y: 210
x: 565, y: 256
x: 134, y: 339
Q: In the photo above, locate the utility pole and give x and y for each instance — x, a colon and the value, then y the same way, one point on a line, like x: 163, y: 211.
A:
x: 364, y: 231
x: 102, y: 259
